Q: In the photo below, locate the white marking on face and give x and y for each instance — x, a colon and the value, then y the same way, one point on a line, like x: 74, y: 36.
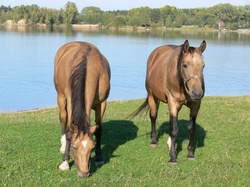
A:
x: 84, y: 143
x: 169, y: 142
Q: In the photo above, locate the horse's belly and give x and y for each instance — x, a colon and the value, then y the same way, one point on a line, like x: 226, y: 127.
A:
x: 155, y: 83
x: 156, y: 89
x: 160, y: 95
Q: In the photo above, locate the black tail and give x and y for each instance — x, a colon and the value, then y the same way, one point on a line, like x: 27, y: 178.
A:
x: 78, y: 80
x: 139, y: 110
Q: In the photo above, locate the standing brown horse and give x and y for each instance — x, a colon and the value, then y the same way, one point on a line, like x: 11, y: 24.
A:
x: 175, y: 76
x: 82, y: 82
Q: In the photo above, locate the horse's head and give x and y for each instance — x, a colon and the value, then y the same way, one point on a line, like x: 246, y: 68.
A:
x: 191, y: 66
x: 82, y: 145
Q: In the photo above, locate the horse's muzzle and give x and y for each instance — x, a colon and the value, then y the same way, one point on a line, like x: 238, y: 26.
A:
x: 83, y: 174
x: 195, y: 91
x: 196, y: 95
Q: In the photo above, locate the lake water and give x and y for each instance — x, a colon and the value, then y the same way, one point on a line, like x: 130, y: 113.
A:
x: 26, y: 63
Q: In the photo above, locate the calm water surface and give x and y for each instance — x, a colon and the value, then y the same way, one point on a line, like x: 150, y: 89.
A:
x: 26, y: 63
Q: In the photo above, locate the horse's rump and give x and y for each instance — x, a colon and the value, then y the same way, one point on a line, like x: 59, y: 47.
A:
x: 79, y: 68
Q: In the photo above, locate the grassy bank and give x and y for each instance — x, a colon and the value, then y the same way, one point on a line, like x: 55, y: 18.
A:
x: 30, y: 142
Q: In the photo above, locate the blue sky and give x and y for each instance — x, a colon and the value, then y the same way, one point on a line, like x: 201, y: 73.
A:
x: 123, y: 4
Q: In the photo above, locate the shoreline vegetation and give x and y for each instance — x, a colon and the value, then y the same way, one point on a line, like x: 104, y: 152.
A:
x: 220, y: 17
x: 21, y: 25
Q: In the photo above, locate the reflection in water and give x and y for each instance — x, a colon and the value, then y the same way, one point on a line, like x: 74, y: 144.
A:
x: 26, y: 65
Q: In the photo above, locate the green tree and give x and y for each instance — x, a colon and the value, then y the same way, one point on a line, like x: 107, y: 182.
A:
x: 17, y: 14
x: 119, y: 21
x: 70, y: 13
x: 139, y: 16
x: 155, y: 15
x: 165, y: 12
x: 91, y: 15
x: 5, y: 13
x: 51, y: 17
x: 34, y: 13
x: 178, y: 19
x: 168, y: 22
x: 108, y: 18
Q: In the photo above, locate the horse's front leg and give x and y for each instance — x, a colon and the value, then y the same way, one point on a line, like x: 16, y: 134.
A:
x: 173, y: 132
x: 174, y: 109
x: 191, y: 129
x: 66, y: 156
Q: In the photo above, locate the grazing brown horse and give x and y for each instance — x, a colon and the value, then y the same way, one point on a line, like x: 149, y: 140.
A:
x: 175, y: 76
x: 82, y: 82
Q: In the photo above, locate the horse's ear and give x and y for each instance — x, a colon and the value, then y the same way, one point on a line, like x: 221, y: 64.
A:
x: 186, y: 46
x: 202, y: 46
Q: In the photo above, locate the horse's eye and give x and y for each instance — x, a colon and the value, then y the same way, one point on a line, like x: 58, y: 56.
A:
x: 185, y: 65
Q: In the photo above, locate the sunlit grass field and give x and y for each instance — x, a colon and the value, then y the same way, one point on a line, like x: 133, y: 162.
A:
x: 30, y: 143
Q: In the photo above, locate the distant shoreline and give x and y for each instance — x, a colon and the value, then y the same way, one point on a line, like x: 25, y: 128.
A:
x: 78, y: 27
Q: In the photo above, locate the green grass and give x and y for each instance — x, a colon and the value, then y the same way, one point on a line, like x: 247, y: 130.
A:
x: 30, y: 142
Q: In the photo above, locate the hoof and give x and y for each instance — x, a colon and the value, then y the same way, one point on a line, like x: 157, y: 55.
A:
x: 191, y: 158
x: 64, y: 166
x: 172, y: 163
x: 153, y: 145
x: 99, y: 163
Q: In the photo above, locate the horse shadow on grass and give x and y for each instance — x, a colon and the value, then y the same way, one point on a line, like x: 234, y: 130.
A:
x: 115, y: 133
x: 183, y: 135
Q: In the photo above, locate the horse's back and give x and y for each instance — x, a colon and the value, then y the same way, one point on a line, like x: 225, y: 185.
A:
x: 158, y: 61
x: 159, y: 53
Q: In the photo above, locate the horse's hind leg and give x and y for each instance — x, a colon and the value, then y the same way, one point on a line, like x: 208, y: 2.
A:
x: 61, y: 100
x: 99, y: 112
x: 174, y: 109
x: 65, y: 113
x: 153, y: 105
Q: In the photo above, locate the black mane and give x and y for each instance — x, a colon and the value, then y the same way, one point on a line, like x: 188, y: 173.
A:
x: 77, y: 82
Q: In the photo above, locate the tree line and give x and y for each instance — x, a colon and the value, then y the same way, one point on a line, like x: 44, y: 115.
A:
x: 218, y: 16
